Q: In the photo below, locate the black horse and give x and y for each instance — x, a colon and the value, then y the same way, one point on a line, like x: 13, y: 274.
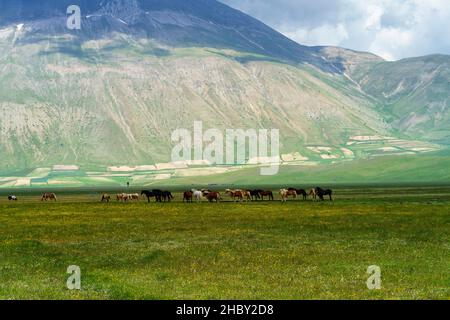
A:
x: 152, y: 194
x: 167, y: 196
x: 159, y: 195
x: 255, y: 194
x: 321, y: 193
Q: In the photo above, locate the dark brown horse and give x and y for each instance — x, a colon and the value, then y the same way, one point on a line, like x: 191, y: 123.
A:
x: 212, y: 196
x: 167, y: 196
x: 188, y: 196
x: 266, y: 194
x: 321, y: 193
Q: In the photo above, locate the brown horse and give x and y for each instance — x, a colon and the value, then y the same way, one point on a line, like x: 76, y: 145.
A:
x: 266, y: 194
x: 48, y: 196
x: 213, y: 196
x: 235, y: 194
x: 188, y: 196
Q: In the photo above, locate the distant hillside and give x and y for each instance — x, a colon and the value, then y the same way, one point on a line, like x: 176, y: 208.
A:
x: 414, y: 93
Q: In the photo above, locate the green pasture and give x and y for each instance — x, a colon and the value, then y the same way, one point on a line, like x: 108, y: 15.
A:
x: 258, y: 250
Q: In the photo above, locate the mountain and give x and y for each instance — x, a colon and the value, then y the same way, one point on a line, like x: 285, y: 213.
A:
x: 106, y: 98
x: 413, y: 93
x: 176, y: 23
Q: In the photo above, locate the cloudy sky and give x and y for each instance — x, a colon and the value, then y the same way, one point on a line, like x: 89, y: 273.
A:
x: 393, y: 29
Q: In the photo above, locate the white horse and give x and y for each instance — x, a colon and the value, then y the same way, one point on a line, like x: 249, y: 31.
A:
x: 197, y: 194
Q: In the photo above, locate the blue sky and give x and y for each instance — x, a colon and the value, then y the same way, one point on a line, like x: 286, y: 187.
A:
x: 393, y: 29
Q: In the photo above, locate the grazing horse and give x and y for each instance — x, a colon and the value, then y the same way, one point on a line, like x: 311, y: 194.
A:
x: 213, y: 196
x: 106, y: 198
x: 148, y: 194
x: 235, y: 194
x: 12, y: 198
x: 247, y: 195
x: 321, y: 193
x: 313, y: 194
x: 48, y: 196
x: 285, y: 194
x: 255, y: 194
x: 133, y: 197
x: 300, y: 192
x: 198, y: 195
x: 167, y: 196
x: 159, y: 194
x: 266, y: 194
x: 188, y: 196
x: 123, y: 197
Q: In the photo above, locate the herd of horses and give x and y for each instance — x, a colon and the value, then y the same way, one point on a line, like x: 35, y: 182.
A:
x: 236, y: 195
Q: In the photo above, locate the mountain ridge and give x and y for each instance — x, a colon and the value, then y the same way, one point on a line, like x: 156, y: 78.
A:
x: 176, y: 23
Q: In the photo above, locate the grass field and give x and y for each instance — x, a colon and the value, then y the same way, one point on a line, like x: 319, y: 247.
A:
x: 297, y: 250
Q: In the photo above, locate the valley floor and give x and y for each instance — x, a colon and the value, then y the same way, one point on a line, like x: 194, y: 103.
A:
x: 266, y: 250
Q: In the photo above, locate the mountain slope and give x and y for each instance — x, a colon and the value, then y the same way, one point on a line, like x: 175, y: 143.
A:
x: 112, y: 93
x: 123, y: 110
x: 177, y: 23
x: 415, y: 93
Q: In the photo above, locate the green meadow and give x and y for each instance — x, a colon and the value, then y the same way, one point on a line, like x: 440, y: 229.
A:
x: 258, y: 250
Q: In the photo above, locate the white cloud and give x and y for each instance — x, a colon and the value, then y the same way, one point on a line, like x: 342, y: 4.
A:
x: 393, y: 29
x: 331, y: 35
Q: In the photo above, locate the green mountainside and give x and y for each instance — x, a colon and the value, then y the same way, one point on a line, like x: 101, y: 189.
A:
x: 79, y: 109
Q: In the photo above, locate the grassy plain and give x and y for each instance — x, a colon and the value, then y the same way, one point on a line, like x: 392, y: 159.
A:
x: 264, y: 250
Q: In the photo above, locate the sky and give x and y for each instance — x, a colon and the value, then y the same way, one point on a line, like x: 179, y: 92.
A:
x: 392, y: 29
